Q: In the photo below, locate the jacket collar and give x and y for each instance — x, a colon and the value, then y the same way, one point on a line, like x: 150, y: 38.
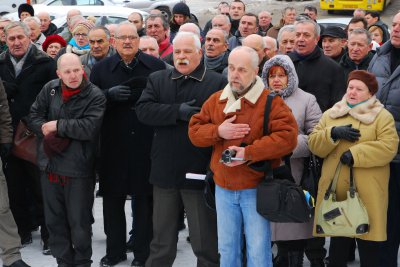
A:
x: 348, y: 62
x: 198, y: 74
x: 233, y: 104
x: 35, y: 56
x: 316, y: 53
x: 365, y: 112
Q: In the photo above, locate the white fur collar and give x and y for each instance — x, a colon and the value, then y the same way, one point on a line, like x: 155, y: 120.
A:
x: 252, y: 95
x: 365, y: 112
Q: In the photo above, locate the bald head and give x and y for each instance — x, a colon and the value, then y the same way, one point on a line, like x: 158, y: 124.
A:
x: 44, y: 20
x: 256, y: 42
x: 70, y: 70
x: 271, y: 46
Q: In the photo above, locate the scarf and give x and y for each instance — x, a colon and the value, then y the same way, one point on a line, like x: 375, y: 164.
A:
x: 18, y: 64
x: 213, y: 62
x: 67, y: 92
x: 73, y: 43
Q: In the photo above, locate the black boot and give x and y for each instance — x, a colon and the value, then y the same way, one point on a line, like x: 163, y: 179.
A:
x: 281, y: 260
x: 295, y: 258
x: 317, y: 263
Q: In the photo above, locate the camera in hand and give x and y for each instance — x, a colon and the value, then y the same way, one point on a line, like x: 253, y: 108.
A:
x: 228, y: 155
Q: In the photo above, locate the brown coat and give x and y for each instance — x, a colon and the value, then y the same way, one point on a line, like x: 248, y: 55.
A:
x: 203, y: 132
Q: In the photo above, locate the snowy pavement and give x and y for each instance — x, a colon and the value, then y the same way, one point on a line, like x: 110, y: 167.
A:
x: 32, y: 253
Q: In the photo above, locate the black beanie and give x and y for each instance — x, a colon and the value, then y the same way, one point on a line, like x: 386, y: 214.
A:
x: 25, y: 8
x: 181, y: 8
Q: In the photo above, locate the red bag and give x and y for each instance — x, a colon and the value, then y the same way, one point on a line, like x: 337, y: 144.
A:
x: 25, y: 143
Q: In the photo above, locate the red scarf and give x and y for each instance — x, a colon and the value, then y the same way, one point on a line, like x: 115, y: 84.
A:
x: 67, y: 92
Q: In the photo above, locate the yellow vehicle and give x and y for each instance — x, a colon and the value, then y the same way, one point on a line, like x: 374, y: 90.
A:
x: 332, y: 5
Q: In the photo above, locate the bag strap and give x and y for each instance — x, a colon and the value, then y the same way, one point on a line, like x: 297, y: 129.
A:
x: 332, y: 186
x: 267, y: 166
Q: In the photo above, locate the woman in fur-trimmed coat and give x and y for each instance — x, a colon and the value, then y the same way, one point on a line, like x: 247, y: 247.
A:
x: 279, y: 75
x: 359, y: 132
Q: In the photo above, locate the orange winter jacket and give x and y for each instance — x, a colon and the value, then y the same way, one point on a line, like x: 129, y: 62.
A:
x: 203, y: 132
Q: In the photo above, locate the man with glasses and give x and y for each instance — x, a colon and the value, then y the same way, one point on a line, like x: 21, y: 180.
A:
x: 125, y: 145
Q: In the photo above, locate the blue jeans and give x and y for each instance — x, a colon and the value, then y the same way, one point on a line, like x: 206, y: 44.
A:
x: 236, y: 211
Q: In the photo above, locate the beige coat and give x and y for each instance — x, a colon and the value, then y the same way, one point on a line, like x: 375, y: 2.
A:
x: 372, y: 154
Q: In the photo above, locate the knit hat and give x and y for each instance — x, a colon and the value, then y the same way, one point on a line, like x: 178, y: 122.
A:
x: 181, y: 8
x: 366, y: 77
x: 53, y: 39
x: 25, y: 8
x: 86, y: 24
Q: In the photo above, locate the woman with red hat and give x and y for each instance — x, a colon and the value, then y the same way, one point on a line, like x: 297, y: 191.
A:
x: 359, y: 133
x: 53, y: 44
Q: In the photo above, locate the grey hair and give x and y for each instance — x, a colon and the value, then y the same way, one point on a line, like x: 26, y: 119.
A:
x: 124, y: 23
x: 196, y: 27
x: 181, y: 35
x: 225, y: 34
x: 107, y: 31
x: 317, y: 29
x: 15, y: 24
x: 162, y: 17
x: 225, y: 17
x: 286, y: 28
x: 44, y: 13
x: 253, y: 54
x: 34, y: 19
x: 360, y: 31
x: 274, y: 42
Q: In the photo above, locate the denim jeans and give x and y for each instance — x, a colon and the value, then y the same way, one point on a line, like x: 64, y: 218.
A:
x: 236, y: 211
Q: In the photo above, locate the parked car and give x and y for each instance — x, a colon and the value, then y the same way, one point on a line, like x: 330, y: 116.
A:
x: 108, y: 14
x: 8, y: 6
x: 165, y: 6
x: 339, y: 22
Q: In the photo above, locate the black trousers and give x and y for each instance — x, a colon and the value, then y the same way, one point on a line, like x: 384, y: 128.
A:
x: 290, y: 245
x: 115, y: 225
x: 23, y: 180
x: 338, y: 252
x: 202, y: 227
x: 390, y: 248
x: 68, y: 210
x: 315, y: 248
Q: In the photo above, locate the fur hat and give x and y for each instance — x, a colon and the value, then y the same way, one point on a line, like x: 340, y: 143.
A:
x: 366, y: 77
x: 53, y: 39
x: 181, y: 8
x: 25, y: 8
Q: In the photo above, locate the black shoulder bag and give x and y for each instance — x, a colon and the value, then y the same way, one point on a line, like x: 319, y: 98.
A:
x: 279, y: 198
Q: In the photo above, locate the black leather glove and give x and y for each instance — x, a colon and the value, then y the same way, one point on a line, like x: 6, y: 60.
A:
x: 186, y: 110
x: 347, y: 158
x: 345, y: 132
x: 5, y: 150
x: 119, y: 93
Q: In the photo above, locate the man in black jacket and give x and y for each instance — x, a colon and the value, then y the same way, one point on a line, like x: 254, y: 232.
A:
x: 125, y: 145
x: 24, y: 70
x: 358, y: 53
x: 168, y: 102
x: 66, y: 117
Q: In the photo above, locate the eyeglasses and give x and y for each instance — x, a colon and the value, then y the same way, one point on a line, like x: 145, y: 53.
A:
x: 80, y: 35
x: 129, y: 37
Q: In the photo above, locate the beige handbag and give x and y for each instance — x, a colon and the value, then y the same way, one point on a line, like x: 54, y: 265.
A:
x: 346, y: 218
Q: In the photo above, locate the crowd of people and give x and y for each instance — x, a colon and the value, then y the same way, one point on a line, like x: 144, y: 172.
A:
x: 140, y: 105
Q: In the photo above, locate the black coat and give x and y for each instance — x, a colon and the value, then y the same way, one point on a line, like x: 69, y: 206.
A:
x: 79, y: 119
x: 348, y: 65
x: 22, y: 90
x: 173, y: 155
x: 321, y: 76
x: 124, y: 165
x: 52, y: 29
